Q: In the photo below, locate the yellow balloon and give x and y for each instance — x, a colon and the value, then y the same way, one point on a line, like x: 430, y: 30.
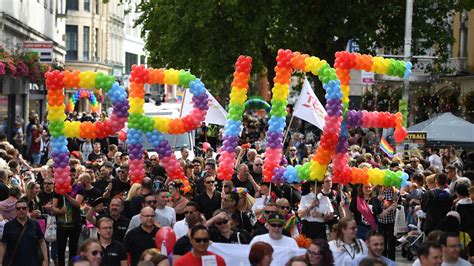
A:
x: 171, y: 76
x: 317, y: 171
x: 162, y: 124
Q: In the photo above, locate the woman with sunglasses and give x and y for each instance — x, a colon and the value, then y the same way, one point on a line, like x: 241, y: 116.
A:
x: 319, y: 254
x: 223, y: 232
x: 91, y: 251
x: 346, y: 246
x: 199, y: 238
x: 291, y: 221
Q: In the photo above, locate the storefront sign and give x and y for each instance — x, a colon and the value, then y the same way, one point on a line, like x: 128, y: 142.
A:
x: 43, y: 49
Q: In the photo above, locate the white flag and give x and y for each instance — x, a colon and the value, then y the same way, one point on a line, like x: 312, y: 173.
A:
x: 309, y: 108
x: 215, y: 115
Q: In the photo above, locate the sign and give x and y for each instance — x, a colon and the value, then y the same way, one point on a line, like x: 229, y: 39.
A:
x: 352, y: 46
x: 367, y: 77
x: 43, y: 49
x: 37, y: 88
x: 416, y: 136
x: 403, y: 108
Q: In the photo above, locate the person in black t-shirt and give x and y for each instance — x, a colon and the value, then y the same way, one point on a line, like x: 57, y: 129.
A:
x: 222, y: 232
x: 141, y: 238
x: 114, y: 252
x: 120, y: 185
x: 97, y: 153
x: 115, y: 213
x: 91, y: 193
x: 46, y: 196
x: 68, y: 219
x: 105, y: 179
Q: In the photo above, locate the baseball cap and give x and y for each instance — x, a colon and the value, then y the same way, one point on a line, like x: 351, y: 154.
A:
x: 276, y: 217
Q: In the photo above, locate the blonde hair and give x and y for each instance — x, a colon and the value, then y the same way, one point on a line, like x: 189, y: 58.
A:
x: 430, y: 179
x: 133, y: 191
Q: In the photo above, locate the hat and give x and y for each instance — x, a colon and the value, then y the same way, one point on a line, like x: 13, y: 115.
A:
x: 276, y: 217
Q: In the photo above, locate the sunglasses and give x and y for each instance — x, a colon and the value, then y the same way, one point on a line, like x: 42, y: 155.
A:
x: 228, y: 199
x: 201, y: 240
x: 269, y: 212
x: 21, y: 208
x: 152, y: 159
x: 258, y: 164
x: 186, y: 213
x: 48, y: 183
x: 285, y: 207
x: 221, y: 222
x: 292, y: 150
x: 150, y: 202
x: 197, y: 165
x: 210, y: 182
x: 226, y: 186
x: 276, y: 225
x: 96, y: 252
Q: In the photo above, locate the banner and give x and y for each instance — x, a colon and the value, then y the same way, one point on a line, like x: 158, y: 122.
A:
x: 215, y: 115
x: 238, y: 255
x: 309, y: 108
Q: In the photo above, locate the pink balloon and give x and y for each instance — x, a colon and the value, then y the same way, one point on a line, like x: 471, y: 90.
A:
x: 205, y: 146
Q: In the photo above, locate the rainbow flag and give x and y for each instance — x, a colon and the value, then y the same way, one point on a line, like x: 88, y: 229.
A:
x: 386, y: 148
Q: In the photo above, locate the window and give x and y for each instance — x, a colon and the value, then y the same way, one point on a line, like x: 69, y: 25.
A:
x: 97, y: 6
x: 130, y: 60
x: 85, y: 45
x: 87, y: 5
x: 72, y: 4
x: 71, y: 42
x: 142, y: 60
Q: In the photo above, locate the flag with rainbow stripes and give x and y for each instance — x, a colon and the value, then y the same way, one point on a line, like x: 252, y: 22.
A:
x: 386, y: 148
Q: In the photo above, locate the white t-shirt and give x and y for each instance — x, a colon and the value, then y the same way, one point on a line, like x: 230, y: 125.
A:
x: 344, y: 253
x: 460, y: 262
x: 324, y: 206
x: 166, y: 216
x: 283, y: 242
x: 180, y: 228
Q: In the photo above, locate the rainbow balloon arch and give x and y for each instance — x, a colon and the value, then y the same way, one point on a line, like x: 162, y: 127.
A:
x: 129, y: 108
x: 71, y: 104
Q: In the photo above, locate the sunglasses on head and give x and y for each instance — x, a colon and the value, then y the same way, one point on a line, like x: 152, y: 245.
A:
x: 96, y: 252
x: 276, y: 225
x: 21, y: 208
x: 222, y: 222
x: 202, y: 240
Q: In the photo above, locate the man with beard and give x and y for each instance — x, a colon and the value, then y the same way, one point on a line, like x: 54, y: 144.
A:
x: 375, y: 244
x: 120, y: 222
x: 256, y: 170
x: 105, y: 180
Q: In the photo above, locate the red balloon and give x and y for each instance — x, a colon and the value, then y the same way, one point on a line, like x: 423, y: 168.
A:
x: 400, y: 134
x: 122, y: 135
x: 205, y: 146
x: 167, y: 235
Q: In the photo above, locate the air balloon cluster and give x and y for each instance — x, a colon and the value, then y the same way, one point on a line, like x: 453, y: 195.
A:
x: 333, y: 144
x: 138, y: 123
x: 60, y: 130
x: 238, y: 96
x: 344, y: 62
x: 258, y: 104
x: 71, y: 104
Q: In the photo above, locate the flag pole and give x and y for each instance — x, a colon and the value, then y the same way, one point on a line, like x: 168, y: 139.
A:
x: 180, y: 115
x: 288, y: 128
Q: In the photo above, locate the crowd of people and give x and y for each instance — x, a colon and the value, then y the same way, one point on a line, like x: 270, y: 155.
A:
x: 106, y: 220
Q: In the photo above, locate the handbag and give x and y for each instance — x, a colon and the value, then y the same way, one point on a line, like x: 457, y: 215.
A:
x: 51, y: 228
x: 400, y: 223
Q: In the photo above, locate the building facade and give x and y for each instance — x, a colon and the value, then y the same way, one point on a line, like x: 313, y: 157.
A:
x: 40, y: 21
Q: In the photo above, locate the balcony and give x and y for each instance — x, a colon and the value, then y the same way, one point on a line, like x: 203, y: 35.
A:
x: 458, y: 64
x: 419, y: 70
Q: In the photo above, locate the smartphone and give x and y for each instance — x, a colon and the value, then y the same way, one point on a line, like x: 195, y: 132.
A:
x: 156, y: 185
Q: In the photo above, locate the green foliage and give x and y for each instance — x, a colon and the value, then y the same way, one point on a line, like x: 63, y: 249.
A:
x: 207, y: 36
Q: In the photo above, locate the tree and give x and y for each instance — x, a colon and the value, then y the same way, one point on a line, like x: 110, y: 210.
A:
x: 207, y: 36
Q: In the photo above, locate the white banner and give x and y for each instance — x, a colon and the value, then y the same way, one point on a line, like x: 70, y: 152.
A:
x: 309, y: 108
x: 215, y: 115
x: 238, y: 255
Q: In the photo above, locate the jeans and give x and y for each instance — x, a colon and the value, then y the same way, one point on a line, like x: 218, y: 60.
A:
x: 64, y: 232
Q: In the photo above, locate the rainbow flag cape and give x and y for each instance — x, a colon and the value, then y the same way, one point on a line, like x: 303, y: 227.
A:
x: 386, y: 148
